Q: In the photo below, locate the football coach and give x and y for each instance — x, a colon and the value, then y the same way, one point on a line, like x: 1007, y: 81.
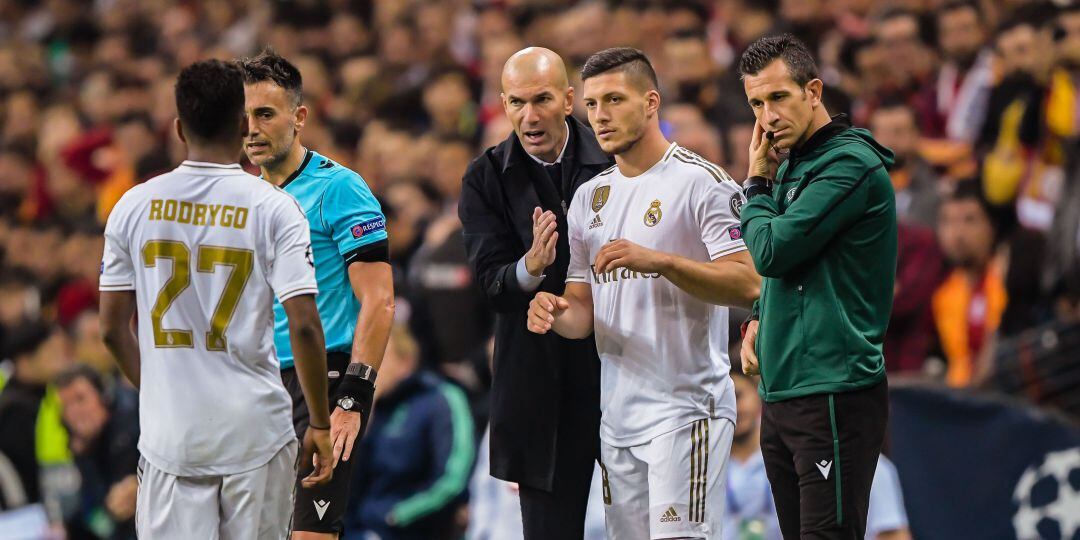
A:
x: 545, y: 395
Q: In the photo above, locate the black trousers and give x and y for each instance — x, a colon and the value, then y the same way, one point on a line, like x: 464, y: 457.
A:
x: 820, y: 455
x: 560, y: 513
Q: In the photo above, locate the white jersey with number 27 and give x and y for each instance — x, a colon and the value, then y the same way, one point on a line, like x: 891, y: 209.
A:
x: 206, y: 248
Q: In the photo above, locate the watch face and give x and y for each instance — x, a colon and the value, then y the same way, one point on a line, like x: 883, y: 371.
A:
x: 346, y: 403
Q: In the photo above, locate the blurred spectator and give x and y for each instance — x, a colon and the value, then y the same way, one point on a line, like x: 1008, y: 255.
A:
x: 440, y: 282
x: 920, y: 269
x: 895, y: 126
x: 416, y: 456
x: 1024, y: 162
x: 955, y: 103
x: 34, y: 440
x: 103, y: 423
x: 968, y: 305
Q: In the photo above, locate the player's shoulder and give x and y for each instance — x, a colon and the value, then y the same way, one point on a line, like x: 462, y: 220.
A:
x: 695, y: 168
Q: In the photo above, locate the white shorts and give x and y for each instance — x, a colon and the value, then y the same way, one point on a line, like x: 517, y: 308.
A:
x: 256, y: 504
x: 669, y: 487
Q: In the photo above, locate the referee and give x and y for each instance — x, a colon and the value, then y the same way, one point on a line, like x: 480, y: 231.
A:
x: 821, y: 229
x: 351, y: 257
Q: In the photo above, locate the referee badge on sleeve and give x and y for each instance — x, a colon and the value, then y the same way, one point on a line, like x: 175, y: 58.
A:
x: 371, y: 225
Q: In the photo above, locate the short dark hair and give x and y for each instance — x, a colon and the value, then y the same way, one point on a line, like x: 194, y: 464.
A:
x: 271, y: 66
x: 800, y: 63
x: 624, y: 59
x: 958, y: 5
x: 210, y: 100
x: 970, y: 189
x: 81, y: 371
x: 26, y: 339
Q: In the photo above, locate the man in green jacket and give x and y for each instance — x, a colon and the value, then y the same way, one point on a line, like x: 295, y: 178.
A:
x: 821, y: 229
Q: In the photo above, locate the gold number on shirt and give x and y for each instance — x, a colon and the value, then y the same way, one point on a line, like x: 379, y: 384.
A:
x: 241, y: 260
x: 181, y: 278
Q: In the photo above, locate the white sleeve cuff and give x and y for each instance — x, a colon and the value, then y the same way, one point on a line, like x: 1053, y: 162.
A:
x: 527, y: 281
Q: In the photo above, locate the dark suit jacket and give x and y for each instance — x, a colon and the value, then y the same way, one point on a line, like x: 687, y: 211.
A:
x: 543, y: 387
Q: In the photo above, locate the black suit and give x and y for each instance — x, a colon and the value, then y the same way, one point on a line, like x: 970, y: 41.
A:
x: 545, y: 395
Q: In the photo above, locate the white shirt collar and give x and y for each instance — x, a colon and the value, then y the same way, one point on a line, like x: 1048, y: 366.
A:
x: 566, y: 141
x: 208, y: 165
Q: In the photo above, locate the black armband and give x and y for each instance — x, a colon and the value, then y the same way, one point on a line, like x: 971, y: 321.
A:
x: 374, y: 252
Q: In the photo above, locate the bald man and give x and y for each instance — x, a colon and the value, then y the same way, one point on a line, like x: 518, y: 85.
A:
x: 545, y: 396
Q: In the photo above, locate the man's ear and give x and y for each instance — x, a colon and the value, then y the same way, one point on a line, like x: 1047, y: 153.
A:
x: 301, y: 117
x: 179, y: 130
x: 652, y: 102
x: 813, y: 89
x: 569, y: 108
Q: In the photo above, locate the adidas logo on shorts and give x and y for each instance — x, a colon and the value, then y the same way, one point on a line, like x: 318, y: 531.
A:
x: 670, y: 516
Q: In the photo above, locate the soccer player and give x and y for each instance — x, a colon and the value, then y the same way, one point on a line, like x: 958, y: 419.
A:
x: 200, y: 253
x: 351, y: 254
x: 656, y: 254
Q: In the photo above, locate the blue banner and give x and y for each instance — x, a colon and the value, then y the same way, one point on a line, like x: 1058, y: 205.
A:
x: 983, y: 468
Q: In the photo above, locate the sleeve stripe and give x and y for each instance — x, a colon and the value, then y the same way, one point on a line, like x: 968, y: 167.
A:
x: 728, y: 251
x: 116, y: 286
x: 305, y: 289
x: 458, y: 464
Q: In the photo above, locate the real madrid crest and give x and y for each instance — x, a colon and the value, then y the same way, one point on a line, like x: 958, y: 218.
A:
x: 653, y: 214
x: 599, y: 197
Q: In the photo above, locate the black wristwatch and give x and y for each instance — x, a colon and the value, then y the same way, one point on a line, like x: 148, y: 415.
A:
x: 757, y: 185
x: 357, y: 388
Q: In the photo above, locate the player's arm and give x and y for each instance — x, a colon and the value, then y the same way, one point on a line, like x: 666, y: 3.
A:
x: 117, y: 286
x: 309, y: 351
x: 291, y: 274
x: 569, y: 315
x: 729, y: 280
x: 117, y: 310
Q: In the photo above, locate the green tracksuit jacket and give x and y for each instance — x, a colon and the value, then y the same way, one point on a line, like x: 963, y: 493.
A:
x: 825, y: 245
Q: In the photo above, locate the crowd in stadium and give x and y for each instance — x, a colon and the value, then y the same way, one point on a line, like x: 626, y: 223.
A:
x: 978, y: 100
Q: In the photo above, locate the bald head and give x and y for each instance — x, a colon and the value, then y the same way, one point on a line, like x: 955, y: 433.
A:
x: 537, y: 98
x: 534, y: 66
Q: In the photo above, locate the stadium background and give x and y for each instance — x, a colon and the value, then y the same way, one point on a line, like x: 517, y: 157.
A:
x: 986, y: 379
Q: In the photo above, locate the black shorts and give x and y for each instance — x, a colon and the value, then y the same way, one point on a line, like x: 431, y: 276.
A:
x: 322, y: 508
x: 820, y: 455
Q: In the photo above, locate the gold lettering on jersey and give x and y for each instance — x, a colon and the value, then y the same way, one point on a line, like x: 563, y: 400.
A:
x: 227, y: 215
x: 600, y: 197
x: 200, y: 215
x: 653, y: 214
x: 184, y: 216
x: 240, y: 219
x: 169, y: 214
x: 205, y: 215
x: 618, y: 274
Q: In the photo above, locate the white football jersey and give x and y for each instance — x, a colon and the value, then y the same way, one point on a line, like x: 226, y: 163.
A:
x: 206, y: 248
x: 664, y: 361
